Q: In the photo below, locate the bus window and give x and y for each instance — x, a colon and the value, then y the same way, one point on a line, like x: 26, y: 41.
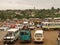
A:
x: 22, y: 33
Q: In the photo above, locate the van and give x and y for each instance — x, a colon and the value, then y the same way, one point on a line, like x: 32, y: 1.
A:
x: 4, y: 28
x: 25, y: 36
x: 11, y: 36
x: 38, y: 36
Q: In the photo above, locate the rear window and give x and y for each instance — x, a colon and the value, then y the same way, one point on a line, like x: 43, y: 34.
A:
x: 38, y: 35
x: 24, y: 33
x: 19, y: 25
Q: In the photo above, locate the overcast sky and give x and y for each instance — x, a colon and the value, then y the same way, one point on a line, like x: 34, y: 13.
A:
x: 28, y: 4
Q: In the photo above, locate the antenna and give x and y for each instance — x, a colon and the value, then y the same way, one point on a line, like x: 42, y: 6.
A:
x: 34, y: 7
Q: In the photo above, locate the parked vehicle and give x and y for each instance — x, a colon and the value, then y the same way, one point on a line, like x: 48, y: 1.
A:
x: 38, y: 36
x: 38, y: 25
x: 19, y: 26
x: 31, y: 27
x: 25, y: 36
x: 11, y: 36
x: 58, y: 38
x: 25, y: 23
x: 51, y: 25
x: 4, y: 28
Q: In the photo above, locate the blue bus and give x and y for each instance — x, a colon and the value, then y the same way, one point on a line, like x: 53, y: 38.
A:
x: 25, y: 36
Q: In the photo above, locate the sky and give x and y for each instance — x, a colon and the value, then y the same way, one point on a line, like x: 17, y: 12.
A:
x: 29, y: 4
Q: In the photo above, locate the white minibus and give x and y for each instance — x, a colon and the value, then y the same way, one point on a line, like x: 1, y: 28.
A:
x: 12, y: 35
x: 38, y: 36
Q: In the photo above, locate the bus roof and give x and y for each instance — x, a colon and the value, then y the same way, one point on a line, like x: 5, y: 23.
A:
x: 39, y: 31
x: 13, y: 30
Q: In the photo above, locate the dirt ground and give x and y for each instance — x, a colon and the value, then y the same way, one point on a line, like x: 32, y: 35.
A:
x: 2, y: 34
x: 50, y: 39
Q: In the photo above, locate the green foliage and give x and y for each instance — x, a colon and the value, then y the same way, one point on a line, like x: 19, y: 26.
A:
x: 42, y: 13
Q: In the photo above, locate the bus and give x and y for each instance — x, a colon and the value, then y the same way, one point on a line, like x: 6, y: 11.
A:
x: 51, y: 25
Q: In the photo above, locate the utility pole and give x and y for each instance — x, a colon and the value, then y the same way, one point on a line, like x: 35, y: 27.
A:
x: 34, y: 8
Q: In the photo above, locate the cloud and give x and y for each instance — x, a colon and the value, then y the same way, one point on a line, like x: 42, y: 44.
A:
x: 24, y: 4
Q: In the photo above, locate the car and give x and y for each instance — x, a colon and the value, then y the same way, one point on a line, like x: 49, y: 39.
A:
x: 25, y: 36
x: 4, y: 28
x: 31, y: 27
x: 37, y: 25
x: 38, y: 36
x: 25, y: 23
x: 19, y: 26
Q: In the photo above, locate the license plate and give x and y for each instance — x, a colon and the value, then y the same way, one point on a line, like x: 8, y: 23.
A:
x: 38, y: 39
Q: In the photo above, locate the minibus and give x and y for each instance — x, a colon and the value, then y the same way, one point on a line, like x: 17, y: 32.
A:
x: 38, y: 36
x: 25, y: 36
x: 11, y: 36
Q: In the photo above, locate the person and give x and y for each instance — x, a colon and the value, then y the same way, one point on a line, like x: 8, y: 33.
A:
x: 25, y: 27
x: 59, y: 35
x: 13, y: 26
x: 59, y: 32
x: 59, y: 38
x: 41, y: 25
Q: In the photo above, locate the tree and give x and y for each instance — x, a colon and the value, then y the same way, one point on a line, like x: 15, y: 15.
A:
x: 52, y: 8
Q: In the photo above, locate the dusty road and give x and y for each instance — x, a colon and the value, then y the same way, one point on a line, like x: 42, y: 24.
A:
x: 50, y: 39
